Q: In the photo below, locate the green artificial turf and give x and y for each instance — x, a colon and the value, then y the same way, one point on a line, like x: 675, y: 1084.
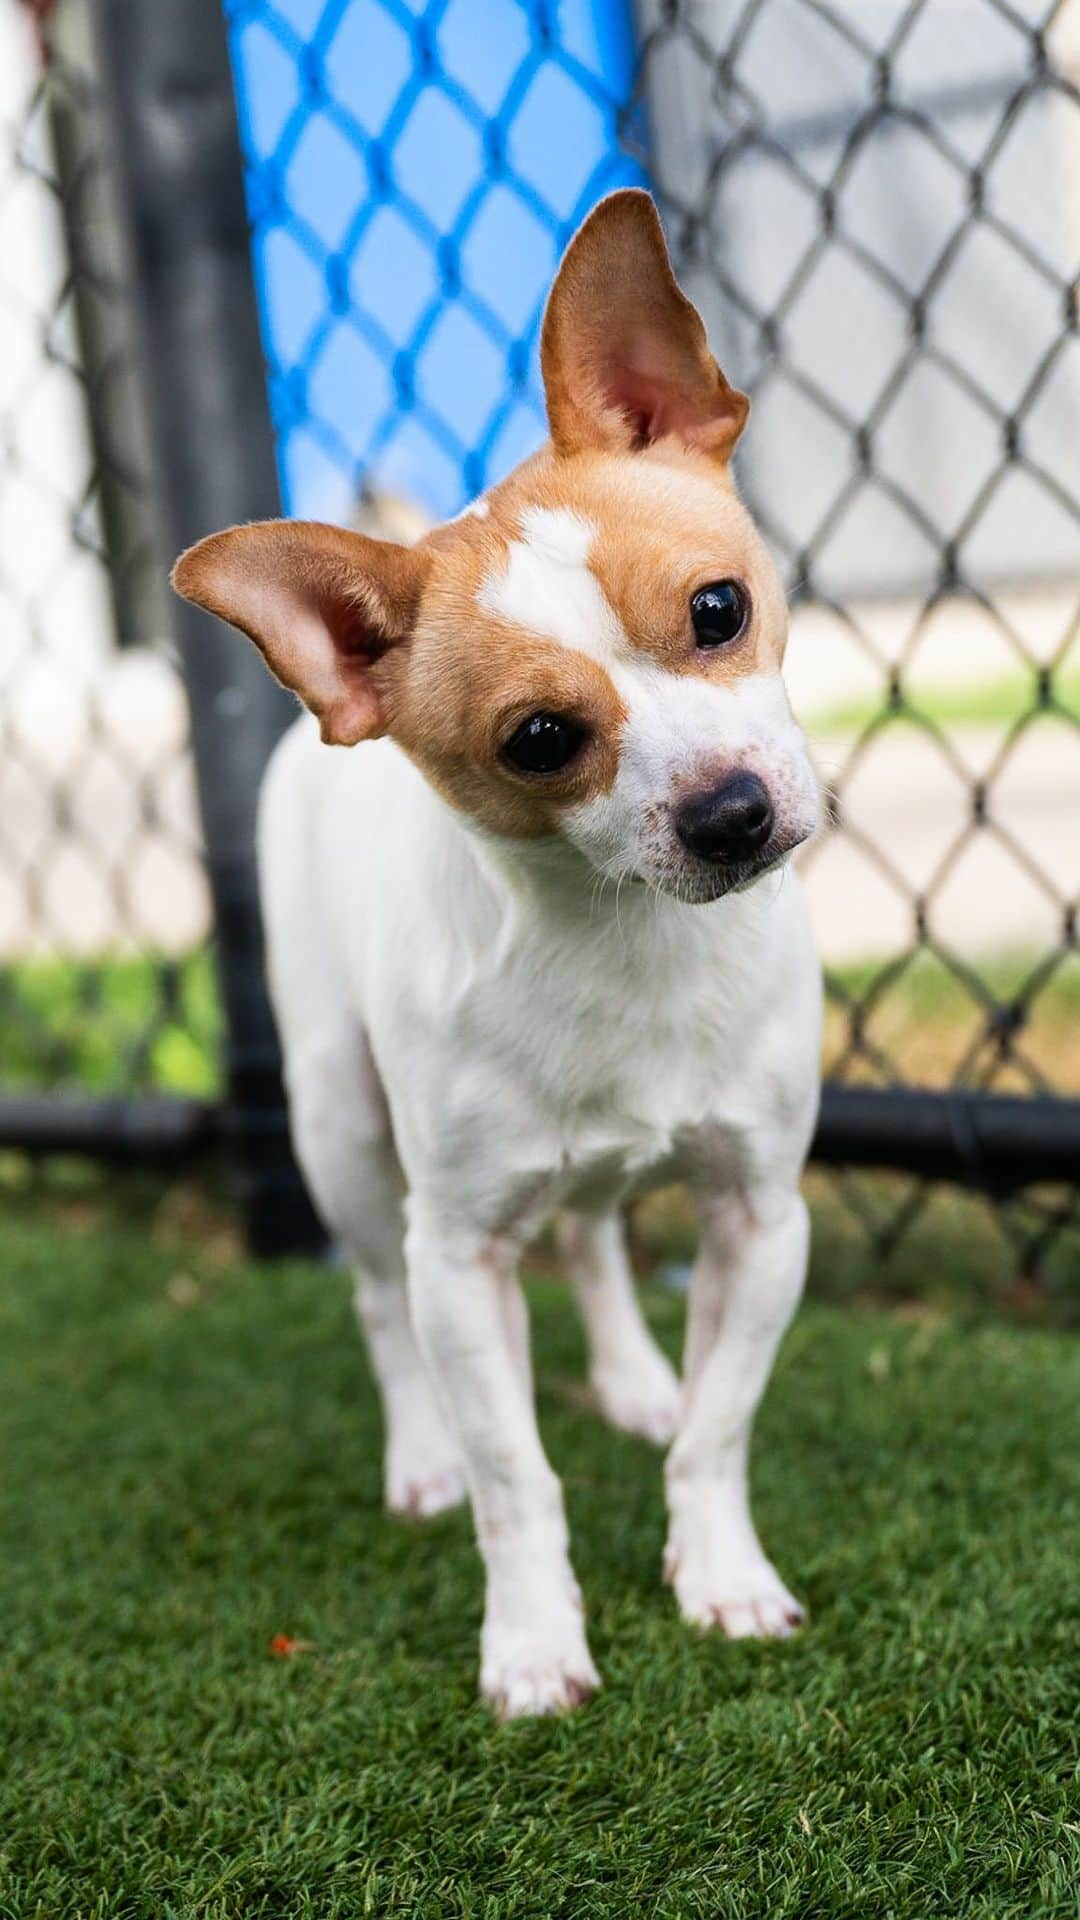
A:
x: 190, y: 1466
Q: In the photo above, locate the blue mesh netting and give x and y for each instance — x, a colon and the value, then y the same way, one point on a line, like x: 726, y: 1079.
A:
x: 414, y: 171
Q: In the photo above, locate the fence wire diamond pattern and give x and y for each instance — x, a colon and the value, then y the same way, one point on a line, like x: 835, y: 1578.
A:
x: 858, y: 200
x: 103, y: 907
x: 413, y: 177
x: 880, y: 210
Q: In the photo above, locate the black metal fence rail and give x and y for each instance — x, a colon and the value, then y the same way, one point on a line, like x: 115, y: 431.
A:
x: 168, y: 85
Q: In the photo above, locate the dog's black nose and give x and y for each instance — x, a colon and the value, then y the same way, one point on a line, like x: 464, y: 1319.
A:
x: 729, y: 824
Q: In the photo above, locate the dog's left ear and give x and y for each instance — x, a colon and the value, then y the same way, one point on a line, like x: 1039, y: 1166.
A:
x: 623, y: 352
x: 331, y: 611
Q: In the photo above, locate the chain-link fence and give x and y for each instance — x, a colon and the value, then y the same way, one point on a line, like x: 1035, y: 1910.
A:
x: 878, y: 210
x: 105, y: 982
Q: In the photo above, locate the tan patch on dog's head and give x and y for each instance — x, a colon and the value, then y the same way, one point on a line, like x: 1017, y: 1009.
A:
x: 472, y: 678
x: 664, y: 524
x: 653, y: 530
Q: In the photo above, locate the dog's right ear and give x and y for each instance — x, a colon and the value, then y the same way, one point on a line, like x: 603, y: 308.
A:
x: 326, y: 608
x: 623, y: 352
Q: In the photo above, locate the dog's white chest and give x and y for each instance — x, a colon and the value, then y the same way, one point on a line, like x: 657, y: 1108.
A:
x: 536, y: 1059
x: 589, y: 1104
x: 603, y: 1160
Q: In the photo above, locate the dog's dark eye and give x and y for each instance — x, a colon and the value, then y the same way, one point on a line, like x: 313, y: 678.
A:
x: 719, y: 613
x: 545, y: 743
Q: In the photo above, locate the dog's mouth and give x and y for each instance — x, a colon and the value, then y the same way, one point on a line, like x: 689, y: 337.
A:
x: 739, y: 878
x: 700, y: 882
x: 770, y: 858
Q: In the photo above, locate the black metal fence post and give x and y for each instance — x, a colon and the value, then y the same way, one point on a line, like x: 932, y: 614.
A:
x: 168, y: 84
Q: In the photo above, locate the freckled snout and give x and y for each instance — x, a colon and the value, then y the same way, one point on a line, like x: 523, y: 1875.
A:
x: 729, y: 824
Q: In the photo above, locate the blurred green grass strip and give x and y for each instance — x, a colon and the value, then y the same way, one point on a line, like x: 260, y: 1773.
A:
x: 147, y: 1024
x: 112, y: 1026
x: 1000, y: 702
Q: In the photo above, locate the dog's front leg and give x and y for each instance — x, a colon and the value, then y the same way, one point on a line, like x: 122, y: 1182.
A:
x: 747, y: 1282
x: 467, y: 1312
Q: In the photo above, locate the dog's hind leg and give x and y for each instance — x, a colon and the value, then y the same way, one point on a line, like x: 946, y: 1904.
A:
x: 747, y: 1282
x: 344, y: 1142
x: 635, y: 1385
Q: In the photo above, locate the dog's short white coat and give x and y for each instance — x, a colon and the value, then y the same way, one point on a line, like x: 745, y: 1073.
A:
x: 480, y: 1035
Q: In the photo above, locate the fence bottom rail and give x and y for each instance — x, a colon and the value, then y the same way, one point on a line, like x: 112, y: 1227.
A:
x: 989, y: 1140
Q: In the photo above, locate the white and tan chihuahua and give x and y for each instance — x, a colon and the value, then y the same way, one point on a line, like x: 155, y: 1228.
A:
x: 532, y: 951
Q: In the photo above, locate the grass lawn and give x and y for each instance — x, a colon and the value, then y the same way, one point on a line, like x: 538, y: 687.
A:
x: 190, y: 1466
x: 112, y: 1025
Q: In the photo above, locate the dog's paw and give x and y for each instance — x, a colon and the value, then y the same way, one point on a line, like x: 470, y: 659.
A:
x: 535, y: 1659
x: 747, y: 1600
x: 642, y: 1397
x: 524, y: 1677
x: 419, y: 1496
x: 421, y: 1480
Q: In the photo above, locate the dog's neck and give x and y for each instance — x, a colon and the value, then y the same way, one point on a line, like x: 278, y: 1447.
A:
x: 551, y: 879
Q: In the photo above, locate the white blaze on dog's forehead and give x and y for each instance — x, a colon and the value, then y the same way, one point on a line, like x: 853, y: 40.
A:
x: 546, y: 585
